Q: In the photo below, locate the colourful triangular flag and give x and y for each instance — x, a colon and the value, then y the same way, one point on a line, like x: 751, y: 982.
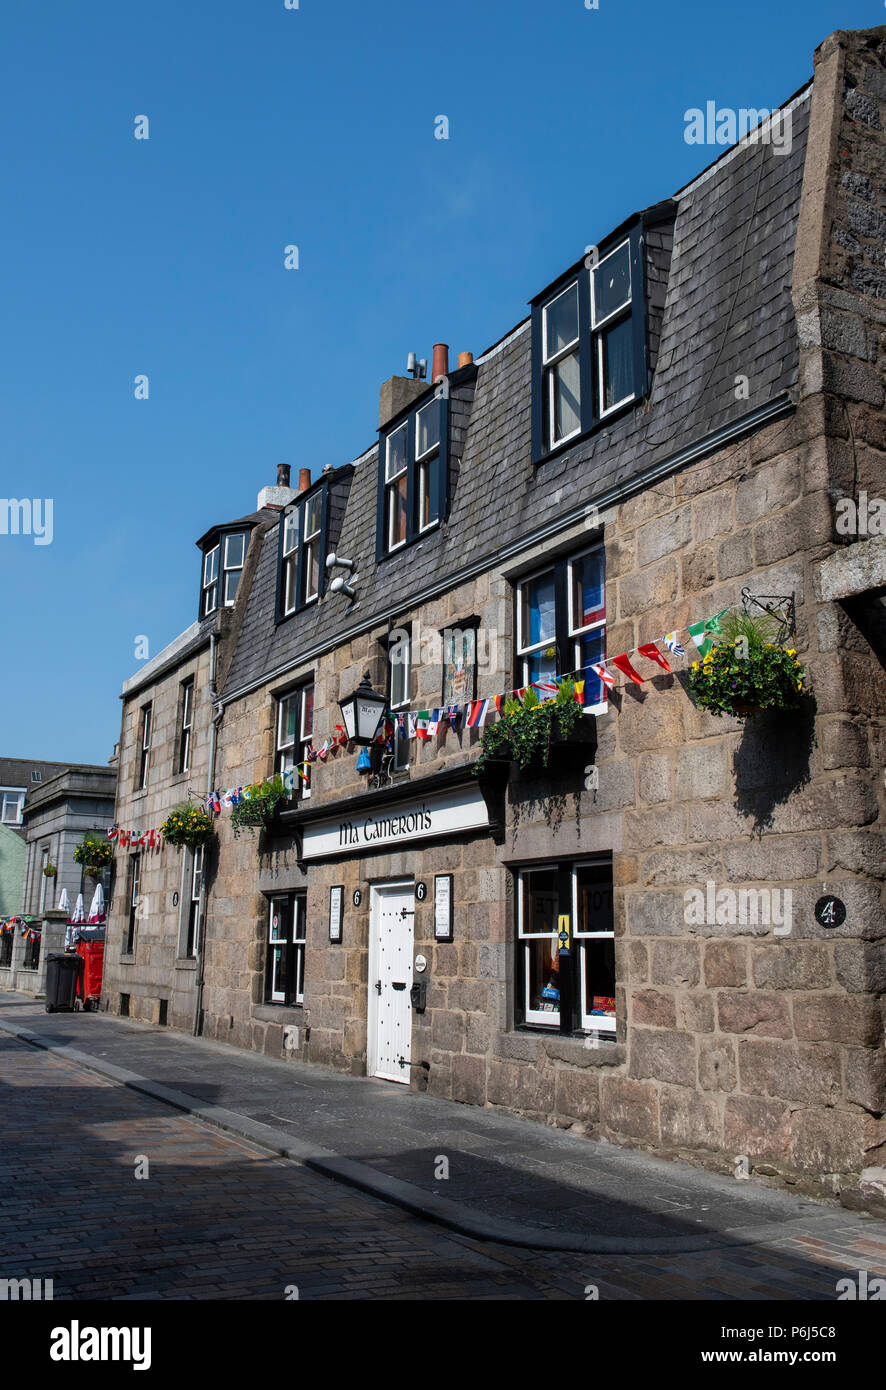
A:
x: 651, y: 652
x: 623, y: 664
x: 673, y: 645
x: 477, y: 714
x: 600, y: 668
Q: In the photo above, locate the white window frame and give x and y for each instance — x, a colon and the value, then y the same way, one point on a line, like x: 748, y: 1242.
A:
x: 312, y: 543
x: 601, y: 326
x: 144, y: 745
x: 44, y: 881
x: 293, y: 941
x: 551, y: 362
x: 392, y: 484
x: 547, y: 1018
x: 194, y: 895
x: 209, y: 590
x: 524, y: 651
x: 16, y: 796
x: 397, y: 706
x: 285, y: 751
x: 577, y: 633
x: 229, y: 569
x: 290, y: 561
x: 423, y: 463
x: 187, y: 721
x: 589, y: 1022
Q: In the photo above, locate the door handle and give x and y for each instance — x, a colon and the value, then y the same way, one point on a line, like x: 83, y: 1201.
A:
x: 378, y: 986
x: 398, y: 984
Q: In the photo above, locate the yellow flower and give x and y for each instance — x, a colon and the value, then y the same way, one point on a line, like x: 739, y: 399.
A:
x: 792, y: 651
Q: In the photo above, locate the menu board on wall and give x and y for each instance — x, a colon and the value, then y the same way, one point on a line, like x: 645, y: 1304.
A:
x: 335, y: 908
x: 443, y: 907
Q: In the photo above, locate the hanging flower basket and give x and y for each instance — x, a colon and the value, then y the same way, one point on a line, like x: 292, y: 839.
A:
x: 258, y: 805
x: 747, y: 671
x: 93, y: 854
x: 530, y: 728
x: 50, y: 871
x: 187, y: 824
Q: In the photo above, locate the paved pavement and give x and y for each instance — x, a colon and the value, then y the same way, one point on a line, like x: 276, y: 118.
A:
x: 222, y: 1217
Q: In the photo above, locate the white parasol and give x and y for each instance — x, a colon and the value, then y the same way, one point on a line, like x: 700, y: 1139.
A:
x: 97, y: 906
x: 78, y: 915
x: 63, y: 905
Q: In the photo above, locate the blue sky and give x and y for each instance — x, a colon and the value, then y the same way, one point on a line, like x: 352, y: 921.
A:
x: 269, y: 127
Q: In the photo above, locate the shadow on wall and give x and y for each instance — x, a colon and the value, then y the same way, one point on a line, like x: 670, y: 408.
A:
x: 771, y: 762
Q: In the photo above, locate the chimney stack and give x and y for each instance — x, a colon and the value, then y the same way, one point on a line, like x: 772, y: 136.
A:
x: 304, y: 479
x: 281, y: 494
x: 440, y: 367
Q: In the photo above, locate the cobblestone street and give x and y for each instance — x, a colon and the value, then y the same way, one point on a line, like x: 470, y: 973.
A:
x: 218, y: 1218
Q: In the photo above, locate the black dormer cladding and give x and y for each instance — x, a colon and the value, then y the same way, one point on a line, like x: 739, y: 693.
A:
x: 719, y: 290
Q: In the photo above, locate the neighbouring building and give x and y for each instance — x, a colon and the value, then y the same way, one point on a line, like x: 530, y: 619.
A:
x: 681, y: 418
x: 61, y: 802
x: 19, y: 779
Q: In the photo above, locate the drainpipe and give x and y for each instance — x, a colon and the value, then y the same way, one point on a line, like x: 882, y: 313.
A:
x: 210, y: 779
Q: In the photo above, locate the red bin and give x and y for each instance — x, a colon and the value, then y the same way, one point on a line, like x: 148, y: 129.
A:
x: 90, y: 983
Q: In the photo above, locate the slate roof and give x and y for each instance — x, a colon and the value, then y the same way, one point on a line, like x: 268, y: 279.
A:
x: 726, y: 312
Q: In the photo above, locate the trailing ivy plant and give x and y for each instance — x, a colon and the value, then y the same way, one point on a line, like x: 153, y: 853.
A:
x: 258, y: 805
x: 747, y: 670
x: 528, y: 728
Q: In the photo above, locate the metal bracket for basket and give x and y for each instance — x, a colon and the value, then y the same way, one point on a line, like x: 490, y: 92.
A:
x: 782, y: 607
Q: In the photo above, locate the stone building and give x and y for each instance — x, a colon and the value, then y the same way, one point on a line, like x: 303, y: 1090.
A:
x: 678, y: 420
x: 19, y: 779
x: 63, y: 802
x: 153, y: 955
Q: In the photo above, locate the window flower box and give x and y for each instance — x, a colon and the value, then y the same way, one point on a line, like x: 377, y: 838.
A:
x: 532, y: 733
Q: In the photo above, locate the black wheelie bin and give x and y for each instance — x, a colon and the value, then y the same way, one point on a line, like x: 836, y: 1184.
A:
x: 62, y: 972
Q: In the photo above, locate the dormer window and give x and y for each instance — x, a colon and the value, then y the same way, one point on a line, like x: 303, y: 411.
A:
x: 589, y: 350
x: 412, y: 477
x: 222, y: 567
x: 302, y: 574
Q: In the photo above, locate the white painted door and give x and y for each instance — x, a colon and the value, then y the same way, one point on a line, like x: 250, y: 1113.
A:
x: 390, y: 978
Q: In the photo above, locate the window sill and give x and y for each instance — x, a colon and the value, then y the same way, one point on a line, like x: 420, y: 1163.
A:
x: 277, y: 1013
x: 600, y: 423
x: 185, y: 962
x: 414, y: 540
x: 127, y: 959
x: 138, y: 794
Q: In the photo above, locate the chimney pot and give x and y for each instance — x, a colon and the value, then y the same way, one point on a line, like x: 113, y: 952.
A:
x: 304, y: 479
x: 283, y: 475
x: 440, y: 367
x: 465, y: 359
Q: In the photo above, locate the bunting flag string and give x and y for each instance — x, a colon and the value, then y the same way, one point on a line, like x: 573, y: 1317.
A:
x: 426, y: 724
x: 136, y: 839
